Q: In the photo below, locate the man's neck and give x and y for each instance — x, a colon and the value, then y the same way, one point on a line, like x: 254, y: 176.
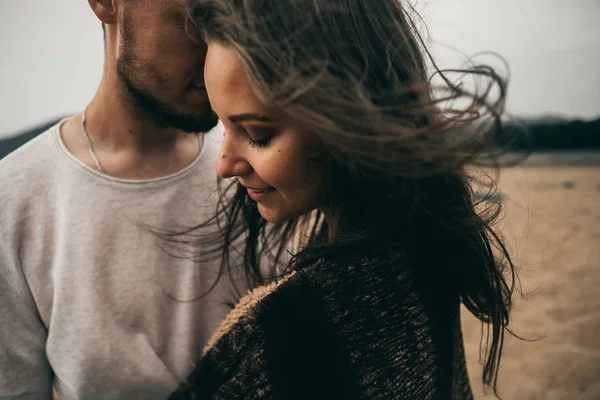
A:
x: 127, y: 145
x: 116, y: 123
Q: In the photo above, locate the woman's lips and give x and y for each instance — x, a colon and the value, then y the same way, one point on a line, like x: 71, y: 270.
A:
x: 258, y: 194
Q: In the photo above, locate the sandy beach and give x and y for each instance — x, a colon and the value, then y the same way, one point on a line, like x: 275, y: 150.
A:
x: 552, y: 227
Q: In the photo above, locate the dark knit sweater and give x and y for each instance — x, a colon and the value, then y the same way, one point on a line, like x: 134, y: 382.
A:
x: 354, y: 329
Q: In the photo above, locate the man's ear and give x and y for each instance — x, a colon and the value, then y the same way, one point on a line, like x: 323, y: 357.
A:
x: 105, y: 10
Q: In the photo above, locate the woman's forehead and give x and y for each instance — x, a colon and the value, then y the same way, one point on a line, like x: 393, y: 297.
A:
x: 227, y: 82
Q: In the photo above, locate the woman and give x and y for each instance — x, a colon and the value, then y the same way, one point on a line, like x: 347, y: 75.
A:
x: 333, y: 125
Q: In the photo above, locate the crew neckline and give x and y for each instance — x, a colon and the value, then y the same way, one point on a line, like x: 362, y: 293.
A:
x: 82, y: 166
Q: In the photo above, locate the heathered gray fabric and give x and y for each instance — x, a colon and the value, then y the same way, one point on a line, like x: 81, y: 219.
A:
x: 85, y: 290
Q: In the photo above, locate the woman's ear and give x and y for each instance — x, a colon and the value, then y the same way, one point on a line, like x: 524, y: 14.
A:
x: 105, y: 10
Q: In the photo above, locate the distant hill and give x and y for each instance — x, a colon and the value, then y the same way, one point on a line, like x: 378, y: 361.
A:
x: 546, y: 133
x: 549, y: 134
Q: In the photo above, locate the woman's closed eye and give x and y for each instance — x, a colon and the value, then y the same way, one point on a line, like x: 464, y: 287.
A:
x: 259, y: 136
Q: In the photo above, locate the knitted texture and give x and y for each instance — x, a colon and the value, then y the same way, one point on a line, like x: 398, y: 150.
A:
x: 360, y: 328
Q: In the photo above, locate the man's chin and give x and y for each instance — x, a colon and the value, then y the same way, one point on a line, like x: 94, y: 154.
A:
x: 187, y: 122
x: 193, y: 124
x: 200, y: 118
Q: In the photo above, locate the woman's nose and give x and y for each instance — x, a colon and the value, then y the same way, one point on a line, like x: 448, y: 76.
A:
x: 231, y: 161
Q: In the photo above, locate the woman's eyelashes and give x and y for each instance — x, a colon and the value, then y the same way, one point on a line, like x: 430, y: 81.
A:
x: 259, y: 137
x: 258, y: 143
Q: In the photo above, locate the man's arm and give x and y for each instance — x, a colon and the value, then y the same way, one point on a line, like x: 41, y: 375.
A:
x: 24, y: 369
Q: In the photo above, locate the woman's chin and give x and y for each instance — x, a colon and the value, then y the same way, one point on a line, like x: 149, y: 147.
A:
x: 270, y: 214
x: 274, y: 215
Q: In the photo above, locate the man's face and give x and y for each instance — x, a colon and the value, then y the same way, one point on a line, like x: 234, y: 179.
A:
x: 161, y: 68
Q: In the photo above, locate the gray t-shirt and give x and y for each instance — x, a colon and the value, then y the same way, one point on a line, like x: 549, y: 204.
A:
x: 90, y: 300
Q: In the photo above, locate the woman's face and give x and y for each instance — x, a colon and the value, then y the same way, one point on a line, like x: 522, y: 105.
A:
x: 268, y: 153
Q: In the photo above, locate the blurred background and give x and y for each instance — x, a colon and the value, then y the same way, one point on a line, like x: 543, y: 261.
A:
x: 51, y: 59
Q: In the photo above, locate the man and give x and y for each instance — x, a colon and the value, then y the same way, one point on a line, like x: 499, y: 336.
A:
x: 91, y: 302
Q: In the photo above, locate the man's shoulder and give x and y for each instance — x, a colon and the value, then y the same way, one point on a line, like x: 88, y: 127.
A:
x: 32, y: 154
x: 27, y: 170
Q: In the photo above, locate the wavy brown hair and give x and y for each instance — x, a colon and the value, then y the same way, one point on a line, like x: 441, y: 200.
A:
x: 354, y: 73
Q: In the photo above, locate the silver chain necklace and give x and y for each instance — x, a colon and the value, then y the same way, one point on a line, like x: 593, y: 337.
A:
x: 86, y: 136
x: 89, y: 143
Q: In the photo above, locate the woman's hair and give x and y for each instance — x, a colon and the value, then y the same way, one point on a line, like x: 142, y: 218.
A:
x: 354, y: 73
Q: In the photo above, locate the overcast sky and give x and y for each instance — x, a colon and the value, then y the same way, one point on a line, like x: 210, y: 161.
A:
x: 51, y: 53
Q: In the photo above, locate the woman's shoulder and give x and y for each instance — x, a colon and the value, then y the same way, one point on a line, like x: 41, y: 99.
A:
x: 356, y: 272
x: 332, y: 277
x: 280, y: 335
x: 325, y: 284
x: 343, y: 314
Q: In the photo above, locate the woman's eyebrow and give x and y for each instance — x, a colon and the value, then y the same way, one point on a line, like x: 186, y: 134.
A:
x: 249, y: 117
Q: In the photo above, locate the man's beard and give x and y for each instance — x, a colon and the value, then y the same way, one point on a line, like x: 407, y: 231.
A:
x: 160, y: 113
x: 163, y: 115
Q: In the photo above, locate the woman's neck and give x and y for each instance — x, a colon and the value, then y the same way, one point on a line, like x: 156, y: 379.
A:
x: 331, y: 222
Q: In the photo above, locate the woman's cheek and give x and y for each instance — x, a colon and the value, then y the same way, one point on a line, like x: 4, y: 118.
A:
x: 274, y: 168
